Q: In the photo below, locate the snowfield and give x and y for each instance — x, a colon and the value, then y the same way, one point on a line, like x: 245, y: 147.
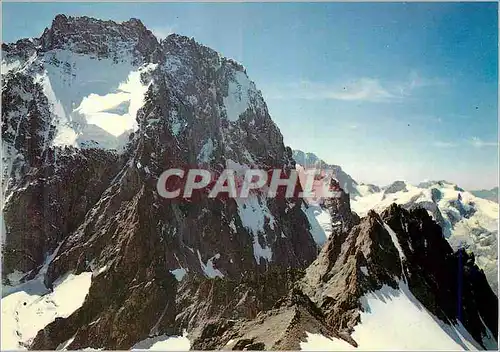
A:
x: 94, y: 101
x: 30, y: 307
x: 254, y: 215
x: 164, y: 343
x: 238, y: 97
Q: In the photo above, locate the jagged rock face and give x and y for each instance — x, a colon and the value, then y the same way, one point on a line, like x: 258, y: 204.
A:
x: 339, y: 207
x: 310, y: 160
x: 199, y: 110
x: 27, y: 128
x: 105, y: 39
x: 398, y: 247
x: 335, y: 281
x: 23, y: 49
x: 251, y: 295
x: 441, y: 278
x: 52, y: 203
x: 467, y: 221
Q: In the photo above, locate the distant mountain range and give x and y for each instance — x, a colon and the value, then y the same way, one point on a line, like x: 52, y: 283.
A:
x: 490, y: 194
x: 468, y: 221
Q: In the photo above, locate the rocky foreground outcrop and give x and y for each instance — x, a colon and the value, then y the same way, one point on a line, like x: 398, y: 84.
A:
x: 396, y: 248
x: 234, y: 273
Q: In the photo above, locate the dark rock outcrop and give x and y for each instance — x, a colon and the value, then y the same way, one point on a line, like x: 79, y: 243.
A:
x: 447, y: 282
x: 52, y: 202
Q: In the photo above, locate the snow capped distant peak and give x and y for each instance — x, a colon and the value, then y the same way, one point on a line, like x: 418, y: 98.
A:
x: 489, y: 194
x: 466, y: 220
x: 93, y: 101
x: 397, y: 186
x: 440, y: 183
x: 312, y: 161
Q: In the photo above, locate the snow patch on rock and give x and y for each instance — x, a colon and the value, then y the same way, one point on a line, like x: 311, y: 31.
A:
x: 238, y: 98
x: 254, y: 215
x: 164, y: 343
x: 179, y: 273
x: 320, y: 221
x: 209, y: 268
x: 32, y: 307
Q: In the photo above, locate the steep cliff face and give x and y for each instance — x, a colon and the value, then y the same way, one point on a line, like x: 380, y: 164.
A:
x: 467, y: 221
x: 95, y: 209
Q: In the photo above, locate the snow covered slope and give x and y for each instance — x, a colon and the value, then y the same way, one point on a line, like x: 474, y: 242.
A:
x: 394, y: 320
x: 29, y: 307
x: 320, y: 220
x: 467, y: 221
x: 311, y: 161
x: 164, y: 343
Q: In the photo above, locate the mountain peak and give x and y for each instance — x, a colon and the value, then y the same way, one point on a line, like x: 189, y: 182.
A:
x: 396, y: 186
x: 87, y: 35
x: 440, y: 183
x: 394, y: 270
x: 489, y: 194
x: 311, y: 160
x: 192, y: 109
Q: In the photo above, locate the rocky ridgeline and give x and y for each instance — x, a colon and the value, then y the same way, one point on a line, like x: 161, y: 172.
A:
x: 327, y: 300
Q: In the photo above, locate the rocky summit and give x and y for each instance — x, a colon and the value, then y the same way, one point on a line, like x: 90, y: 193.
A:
x: 92, y: 257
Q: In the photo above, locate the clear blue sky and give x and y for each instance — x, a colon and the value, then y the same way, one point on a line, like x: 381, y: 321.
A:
x: 386, y: 90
